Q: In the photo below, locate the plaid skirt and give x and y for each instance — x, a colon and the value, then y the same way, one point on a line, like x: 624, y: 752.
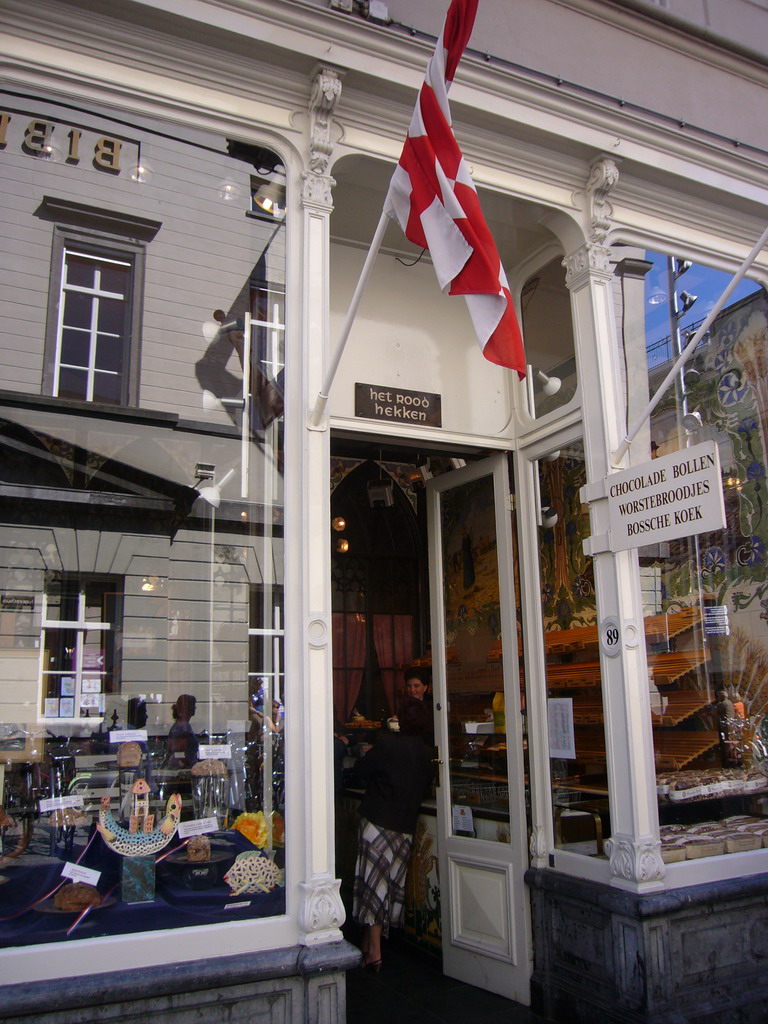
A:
x: 378, y: 895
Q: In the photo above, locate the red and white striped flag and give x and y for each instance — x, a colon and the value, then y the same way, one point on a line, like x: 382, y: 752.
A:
x: 434, y: 200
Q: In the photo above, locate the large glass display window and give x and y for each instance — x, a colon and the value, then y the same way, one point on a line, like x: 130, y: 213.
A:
x: 577, y: 747
x: 142, y: 595
x: 706, y: 593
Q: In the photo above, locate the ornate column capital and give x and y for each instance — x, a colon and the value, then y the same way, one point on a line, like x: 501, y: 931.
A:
x: 317, y: 191
x: 321, y: 912
x: 635, y: 860
x: 588, y: 260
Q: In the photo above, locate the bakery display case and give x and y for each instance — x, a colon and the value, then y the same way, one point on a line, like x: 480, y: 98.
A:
x: 706, y: 781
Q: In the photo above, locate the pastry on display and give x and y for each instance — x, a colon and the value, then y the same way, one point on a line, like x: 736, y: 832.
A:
x: 209, y: 767
x: 199, y: 849
x: 76, y: 896
x: 68, y: 817
x: 129, y: 755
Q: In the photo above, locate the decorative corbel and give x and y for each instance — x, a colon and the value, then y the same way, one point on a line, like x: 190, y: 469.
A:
x: 326, y: 90
x: 603, y: 175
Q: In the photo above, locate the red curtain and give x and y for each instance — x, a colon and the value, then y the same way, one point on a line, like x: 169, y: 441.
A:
x: 348, y: 661
x: 393, y: 639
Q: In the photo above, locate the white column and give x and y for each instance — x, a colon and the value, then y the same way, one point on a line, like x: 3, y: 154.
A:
x: 321, y: 912
x: 634, y: 849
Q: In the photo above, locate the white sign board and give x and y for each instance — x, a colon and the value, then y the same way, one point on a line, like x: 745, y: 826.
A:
x: 674, y: 496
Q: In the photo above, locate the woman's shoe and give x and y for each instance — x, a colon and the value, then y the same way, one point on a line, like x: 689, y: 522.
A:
x: 372, y: 965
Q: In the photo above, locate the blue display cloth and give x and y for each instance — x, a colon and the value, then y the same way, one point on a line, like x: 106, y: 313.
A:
x: 25, y: 918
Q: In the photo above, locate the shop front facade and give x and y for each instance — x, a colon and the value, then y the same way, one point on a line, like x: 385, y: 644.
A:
x: 202, y: 582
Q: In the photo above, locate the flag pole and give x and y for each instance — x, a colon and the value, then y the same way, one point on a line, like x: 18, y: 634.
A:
x: 318, y: 411
x: 623, y: 448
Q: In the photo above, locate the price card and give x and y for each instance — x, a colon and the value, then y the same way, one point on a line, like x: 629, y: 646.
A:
x: 128, y: 736
x: 60, y: 803
x: 215, y: 751
x: 80, y: 874
x: 237, y: 906
x: 197, y: 827
x: 462, y: 818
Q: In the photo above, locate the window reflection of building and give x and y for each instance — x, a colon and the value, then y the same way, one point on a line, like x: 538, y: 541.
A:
x: 80, y: 620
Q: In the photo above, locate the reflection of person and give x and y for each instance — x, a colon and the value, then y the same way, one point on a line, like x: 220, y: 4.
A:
x: 398, y: 770
x: 182, y: 745
x: 261, y: 726
x: 136, y: 713
x: 274, y: 723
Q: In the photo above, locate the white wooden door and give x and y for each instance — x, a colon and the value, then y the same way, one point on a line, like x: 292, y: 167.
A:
x: 482, y: 833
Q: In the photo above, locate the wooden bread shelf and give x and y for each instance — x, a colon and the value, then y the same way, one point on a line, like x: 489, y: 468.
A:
x: 668, y: 668
x: 674, y: 750
x: 677, y: 706
x: 657, y: 627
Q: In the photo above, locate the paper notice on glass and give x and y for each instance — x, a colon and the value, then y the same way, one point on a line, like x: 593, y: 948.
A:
x: 197, y: 827
x: 128, y: 736
x: 561, y: 740
x: 215, y: 751
x: 462, y: 819
x: 60, y: 803
x: 78, y: 873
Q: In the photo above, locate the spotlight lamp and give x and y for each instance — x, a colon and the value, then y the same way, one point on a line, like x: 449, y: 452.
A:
x: 687, y: 300
x: 268, y: 192
x: 211, y: 492
x: 548, y: 517
x: 549, y: 385
x: 681, y: 266
x: 339, y: 524
x: 342, y: 545
x: 692, y: 422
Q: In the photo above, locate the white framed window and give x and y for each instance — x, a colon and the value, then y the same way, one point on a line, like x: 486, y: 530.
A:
x: 81, y: 618
x: 94, y: 326
x: 95, y: 300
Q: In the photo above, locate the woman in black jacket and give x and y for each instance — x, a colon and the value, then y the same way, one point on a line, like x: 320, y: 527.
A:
x: 398, y: 770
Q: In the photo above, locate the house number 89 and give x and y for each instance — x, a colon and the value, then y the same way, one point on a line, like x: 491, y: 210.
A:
x: 610, y: 637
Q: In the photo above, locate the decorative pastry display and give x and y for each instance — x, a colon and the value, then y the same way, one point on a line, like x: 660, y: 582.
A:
x: 700, y: 784
x: 712, y: 838
x: 199, y: 849
x: 253, y: 872
x: 76, y: 896
x: 138, y: 843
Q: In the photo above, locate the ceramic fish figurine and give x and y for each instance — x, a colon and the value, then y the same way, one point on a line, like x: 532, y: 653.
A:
x: 252, y: 872
x: 138, y: 844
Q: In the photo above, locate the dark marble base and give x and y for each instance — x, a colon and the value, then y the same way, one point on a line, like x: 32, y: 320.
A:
x: 281, y: 986
x: 697, y: 955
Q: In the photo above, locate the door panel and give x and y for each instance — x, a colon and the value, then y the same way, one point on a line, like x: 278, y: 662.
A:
x: 482, y: 832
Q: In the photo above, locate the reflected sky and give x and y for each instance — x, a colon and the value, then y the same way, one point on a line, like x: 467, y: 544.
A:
x: 663, y: 290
